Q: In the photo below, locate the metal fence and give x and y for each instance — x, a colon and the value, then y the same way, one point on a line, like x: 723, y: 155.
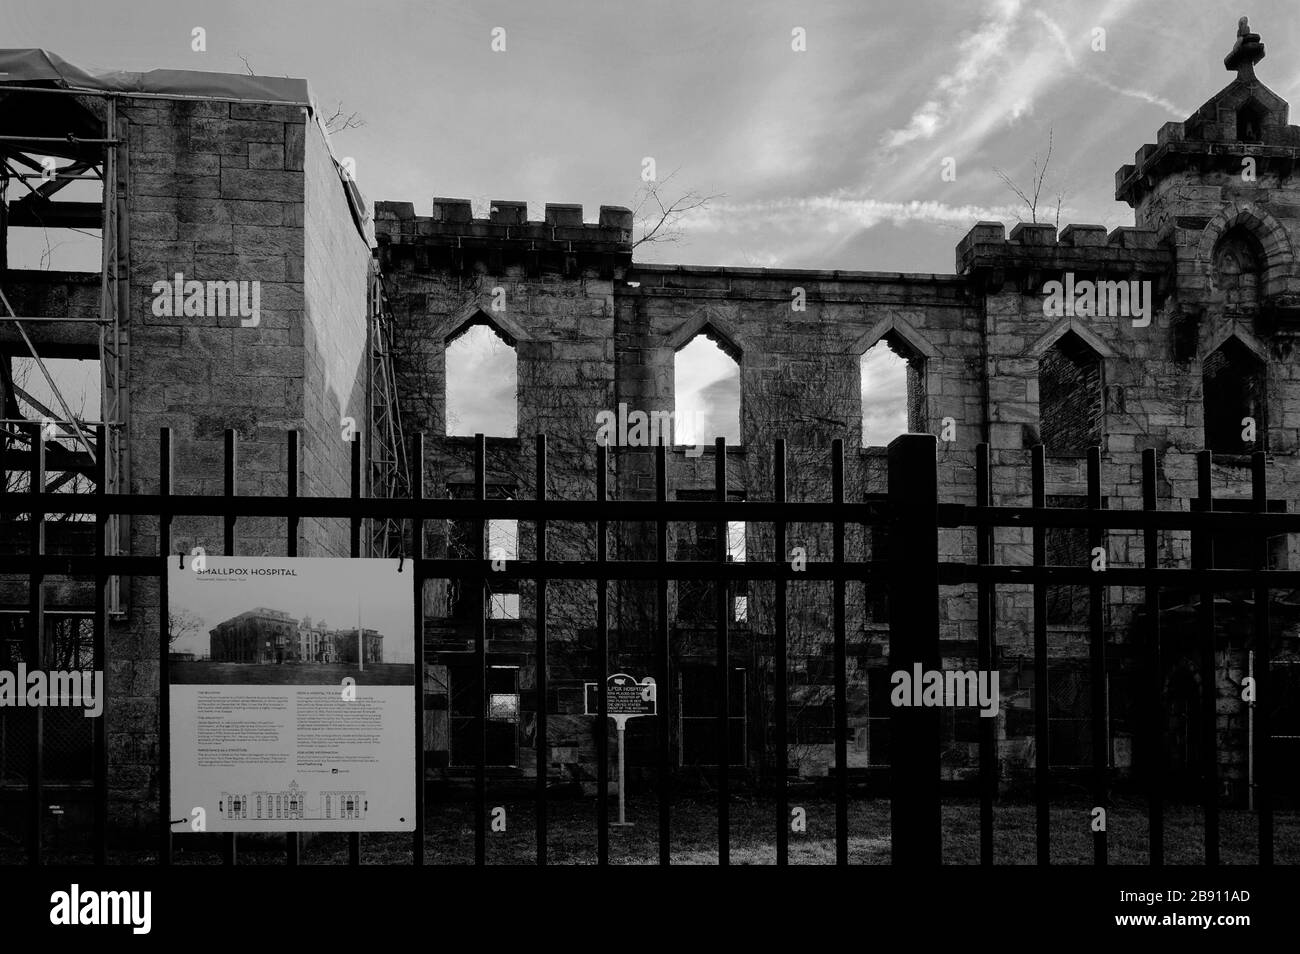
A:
x: 913, y: 572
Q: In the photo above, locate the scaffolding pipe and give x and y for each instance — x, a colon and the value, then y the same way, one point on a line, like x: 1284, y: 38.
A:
x: 112, y: 306
x: 54, y: 388
x: 55, y: 318
x: 68, y: 140
x: 55, y: 178
x: 116, y: 295
x: 1250, y: 734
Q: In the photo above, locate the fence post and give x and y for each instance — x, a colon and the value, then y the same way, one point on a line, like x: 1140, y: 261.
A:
x: 36, y: 647
x: 913, y: 548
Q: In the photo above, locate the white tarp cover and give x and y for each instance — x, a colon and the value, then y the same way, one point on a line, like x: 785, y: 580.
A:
x: 29, y: 67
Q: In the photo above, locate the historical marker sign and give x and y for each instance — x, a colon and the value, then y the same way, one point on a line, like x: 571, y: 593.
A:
x: 626, y: 698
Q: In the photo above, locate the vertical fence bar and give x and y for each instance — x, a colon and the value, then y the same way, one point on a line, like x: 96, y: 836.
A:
x: 602, y: 658
x: 1263, y: 676
x: 1203, y: 558
x: 230, y: 848
x: 293, y: 841
x: 913, y: 542
x: 230, y: 467
x: 100, y: 743
x: 291, y: 446
x: 354, y: 550
x: 1042, y: 692
x: 984, y: 609
x: 480, y: 658
x: 417, y: 555
x: 540, y: 684
x: 1155, y: 673
x: 1097, y: 661
x: 354, y: 494
x: 36, y: 631
x: 841, y: 661
x: 663, y: 652
x: 780, y: 652
x: 164, y: 643
x: 723, y: 637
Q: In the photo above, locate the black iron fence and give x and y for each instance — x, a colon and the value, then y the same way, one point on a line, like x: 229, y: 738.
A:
x: 913, y: 572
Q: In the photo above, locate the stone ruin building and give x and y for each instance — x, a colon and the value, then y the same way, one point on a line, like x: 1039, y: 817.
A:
x: 220, y: 177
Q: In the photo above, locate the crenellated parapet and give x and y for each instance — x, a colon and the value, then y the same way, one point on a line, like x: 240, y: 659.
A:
x: 454, y: 239
x: 1034, y: 253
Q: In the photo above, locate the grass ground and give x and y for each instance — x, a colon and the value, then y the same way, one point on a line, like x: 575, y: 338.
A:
x: 449, y: 836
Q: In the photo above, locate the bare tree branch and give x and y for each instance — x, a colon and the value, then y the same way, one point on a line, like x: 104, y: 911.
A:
x: 1014, y: 188
x: 339, y: 121
x: 1037, y: 178
x: 182, y: 623
x: 658, y: 218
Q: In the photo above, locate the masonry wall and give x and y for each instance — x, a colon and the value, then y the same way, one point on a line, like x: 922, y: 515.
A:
x: 980, y: 344
x: 555, y: 291
x: 1212, y: 254
x: 800, y: 376
x: 335, y: 283
x: 222, y: 191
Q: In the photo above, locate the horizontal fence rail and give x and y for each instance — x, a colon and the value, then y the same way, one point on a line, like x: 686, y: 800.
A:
x: 910, y: 514
x: 646, y: 511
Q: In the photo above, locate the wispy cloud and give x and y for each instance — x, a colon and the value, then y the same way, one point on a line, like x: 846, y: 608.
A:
x: 977, y: 52
x: 1058, y: 34
x: 1172, y: 108
x: 836, y: 213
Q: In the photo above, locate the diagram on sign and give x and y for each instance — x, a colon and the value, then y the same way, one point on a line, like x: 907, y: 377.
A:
x: 292, y: 803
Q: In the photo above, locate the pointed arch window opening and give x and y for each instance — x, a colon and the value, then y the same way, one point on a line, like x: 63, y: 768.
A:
x: 1234, y: 389
x: 706, y: 390
x: 892, y: 385
x: 1237, y: 268
x: 481, y: 380
x: 1071, y: 407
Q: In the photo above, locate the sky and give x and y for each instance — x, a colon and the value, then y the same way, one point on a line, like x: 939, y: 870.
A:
x: 830, y: 157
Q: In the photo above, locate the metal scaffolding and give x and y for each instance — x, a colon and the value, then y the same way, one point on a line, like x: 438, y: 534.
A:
x: 91, y: 150
x: 390, y: 474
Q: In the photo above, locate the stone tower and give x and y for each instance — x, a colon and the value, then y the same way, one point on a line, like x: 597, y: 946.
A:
x: 1219, y: 191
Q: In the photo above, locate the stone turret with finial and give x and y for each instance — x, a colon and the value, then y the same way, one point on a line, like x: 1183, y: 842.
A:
x: 1246, y: 52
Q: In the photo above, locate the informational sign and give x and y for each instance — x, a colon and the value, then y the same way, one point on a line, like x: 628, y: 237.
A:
x: 292, y: 695
x: 625, y: 698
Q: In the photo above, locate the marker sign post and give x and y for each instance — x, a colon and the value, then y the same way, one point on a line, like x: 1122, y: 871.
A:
x: 625, y: 699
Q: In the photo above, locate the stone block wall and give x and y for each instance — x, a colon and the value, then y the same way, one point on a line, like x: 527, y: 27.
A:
x: 227, y: 191
x: 981, y: 344
x: 552, y: 283
x: 335, y: 277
